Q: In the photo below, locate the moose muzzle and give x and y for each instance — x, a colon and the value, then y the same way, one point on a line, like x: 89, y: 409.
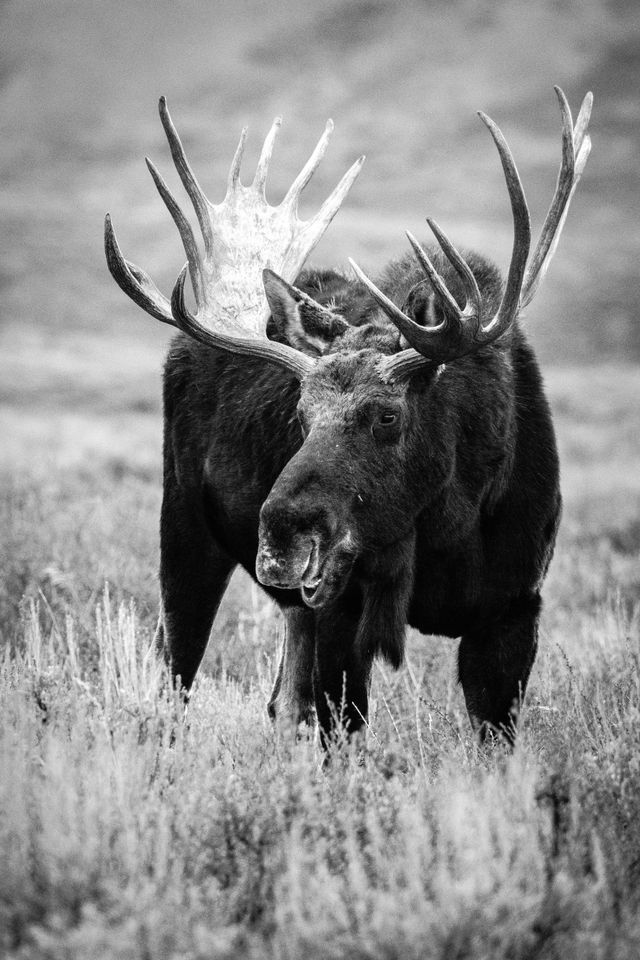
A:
x: 285, y: 568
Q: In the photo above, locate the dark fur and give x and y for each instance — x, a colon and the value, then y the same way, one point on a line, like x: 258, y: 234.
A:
x: 456, y: 516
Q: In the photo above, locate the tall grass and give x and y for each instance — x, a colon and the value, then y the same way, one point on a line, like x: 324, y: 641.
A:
x: 130, y: 830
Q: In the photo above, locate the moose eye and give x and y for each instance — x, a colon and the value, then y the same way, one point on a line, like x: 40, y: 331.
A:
x: 387, y: 418
x: 386, y: 425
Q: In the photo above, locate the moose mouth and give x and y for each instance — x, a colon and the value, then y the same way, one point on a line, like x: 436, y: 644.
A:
x: 311, y: 580
x: 325, y: 577
x: 319, y: 572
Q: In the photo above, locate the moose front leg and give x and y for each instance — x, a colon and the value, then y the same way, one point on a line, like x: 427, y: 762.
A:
x: 194, y: 573
x: 342, y: 672
x: 292, y: 696
x: 495, y: 661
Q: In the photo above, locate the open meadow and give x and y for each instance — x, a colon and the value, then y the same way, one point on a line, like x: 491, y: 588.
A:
x: 128, y: 832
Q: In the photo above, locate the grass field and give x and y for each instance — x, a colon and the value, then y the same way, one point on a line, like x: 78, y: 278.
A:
x: 128, y: 833
x: 230, y: 841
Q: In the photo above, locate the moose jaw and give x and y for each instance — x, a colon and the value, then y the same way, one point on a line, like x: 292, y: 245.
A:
x: 375, y: 454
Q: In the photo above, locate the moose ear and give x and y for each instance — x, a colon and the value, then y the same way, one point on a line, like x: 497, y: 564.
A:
x: 423, y: 307
x: 300, y: 320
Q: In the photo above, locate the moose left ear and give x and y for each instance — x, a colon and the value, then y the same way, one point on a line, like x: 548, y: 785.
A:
x: 300, y: 320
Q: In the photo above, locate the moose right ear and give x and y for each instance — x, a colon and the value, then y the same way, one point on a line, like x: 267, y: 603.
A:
x: 423, y: 307
x: 303, y: 322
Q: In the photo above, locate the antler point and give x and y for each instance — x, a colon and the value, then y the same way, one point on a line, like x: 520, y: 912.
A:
x: 562, y: 99
x: 490, y: 124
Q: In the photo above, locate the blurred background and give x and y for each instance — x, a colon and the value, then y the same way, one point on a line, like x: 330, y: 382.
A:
x: 79, y: 84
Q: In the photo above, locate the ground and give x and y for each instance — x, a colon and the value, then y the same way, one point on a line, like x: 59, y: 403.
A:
x: 127, y: 832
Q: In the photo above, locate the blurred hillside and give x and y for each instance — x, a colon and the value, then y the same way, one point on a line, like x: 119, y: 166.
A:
x: 79, y: 82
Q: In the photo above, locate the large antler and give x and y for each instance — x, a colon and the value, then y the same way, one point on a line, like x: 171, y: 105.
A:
x: 242, y: 236
x: 463, y: 330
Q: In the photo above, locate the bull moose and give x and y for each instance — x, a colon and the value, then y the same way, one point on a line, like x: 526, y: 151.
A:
x: 375, y: 455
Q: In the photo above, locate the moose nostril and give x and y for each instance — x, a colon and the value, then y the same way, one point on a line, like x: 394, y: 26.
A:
x: 266, y: 563
x: 272, y: 569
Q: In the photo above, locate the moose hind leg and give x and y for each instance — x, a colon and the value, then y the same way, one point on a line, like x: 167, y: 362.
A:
x: 292, y: 696
x: 494, y: 664
x: 194, y: 573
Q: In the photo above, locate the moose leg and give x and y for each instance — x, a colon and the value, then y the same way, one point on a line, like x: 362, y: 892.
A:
x: 194, y: 573
x: 342, y: 674
x: 292, y: 695
x: 494, y: 666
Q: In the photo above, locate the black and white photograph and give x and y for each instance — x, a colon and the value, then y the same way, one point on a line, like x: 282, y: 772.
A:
x: 319, y: 480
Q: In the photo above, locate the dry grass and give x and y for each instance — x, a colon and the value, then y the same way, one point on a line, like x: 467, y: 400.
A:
x: 126, y: 832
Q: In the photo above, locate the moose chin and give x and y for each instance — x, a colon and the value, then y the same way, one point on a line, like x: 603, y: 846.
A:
x: 376, y: 455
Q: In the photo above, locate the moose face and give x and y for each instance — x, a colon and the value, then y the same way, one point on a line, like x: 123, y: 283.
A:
x: 350, y: 489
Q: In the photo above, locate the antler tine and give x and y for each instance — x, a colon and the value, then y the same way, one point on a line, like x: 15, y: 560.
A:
x: 299, y: 363
x: 521, y: 238
x: 433, y: 276
x: 576, y: 146
x: 317, y: 225
x: 336, y: 198
x: 265, y: 157
x: 184, y: 229
x: 400, y: 319
x: 582, y: 122
x: 311, y: 231
x: 236, y: 163
x: 532, y: 286
x: 470, y: 315
x: 133, y: 281
x: 473, y: 306
x: 293, y: 193
x: 558, y: 202
x: 189, y: 182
